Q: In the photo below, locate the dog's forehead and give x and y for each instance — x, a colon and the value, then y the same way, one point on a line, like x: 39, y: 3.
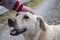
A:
x: 26, y: 13
x: 22, y: 14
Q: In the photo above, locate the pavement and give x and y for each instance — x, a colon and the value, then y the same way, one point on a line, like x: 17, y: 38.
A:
x: 49, y: 10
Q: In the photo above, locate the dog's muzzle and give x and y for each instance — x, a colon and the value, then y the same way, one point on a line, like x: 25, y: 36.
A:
x: 15, y: 32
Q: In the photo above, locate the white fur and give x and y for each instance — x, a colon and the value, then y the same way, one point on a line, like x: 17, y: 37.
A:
x: 34, y: 30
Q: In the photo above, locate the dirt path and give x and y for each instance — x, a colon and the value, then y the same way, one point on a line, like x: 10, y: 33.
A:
x: 50, y: 10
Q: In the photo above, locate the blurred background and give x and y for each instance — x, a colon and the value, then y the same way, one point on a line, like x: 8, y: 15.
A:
x: 48, y: 9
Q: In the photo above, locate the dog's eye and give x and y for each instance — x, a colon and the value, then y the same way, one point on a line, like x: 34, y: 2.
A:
x: 26, y: 17
x: 17, y: 14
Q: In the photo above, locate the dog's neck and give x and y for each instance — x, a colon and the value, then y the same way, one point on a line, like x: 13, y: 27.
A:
x: 32, y: 34
x: 36, y: 33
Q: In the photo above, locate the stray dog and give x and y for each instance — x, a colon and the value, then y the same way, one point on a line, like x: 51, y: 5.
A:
x: 33, y: 27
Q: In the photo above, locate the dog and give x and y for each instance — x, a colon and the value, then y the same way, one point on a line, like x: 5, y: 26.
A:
x: 33, y: 27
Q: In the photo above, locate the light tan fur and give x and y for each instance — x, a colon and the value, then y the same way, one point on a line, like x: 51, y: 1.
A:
x: 39, y: 29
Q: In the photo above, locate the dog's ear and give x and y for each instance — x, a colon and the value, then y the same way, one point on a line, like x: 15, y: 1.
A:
x: 41, y: 23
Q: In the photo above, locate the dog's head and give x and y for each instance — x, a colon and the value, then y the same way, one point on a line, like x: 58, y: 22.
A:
x: 25, y: 21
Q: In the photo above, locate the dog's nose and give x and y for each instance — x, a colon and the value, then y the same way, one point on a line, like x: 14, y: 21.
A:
x: 11, y: 22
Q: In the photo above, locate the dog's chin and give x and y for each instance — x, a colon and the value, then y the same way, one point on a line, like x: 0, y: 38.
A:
x: 16, y: 32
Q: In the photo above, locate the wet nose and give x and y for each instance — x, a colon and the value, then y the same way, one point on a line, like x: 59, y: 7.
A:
x: 11, y: 22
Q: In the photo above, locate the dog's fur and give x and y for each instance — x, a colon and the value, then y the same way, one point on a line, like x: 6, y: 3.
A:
x: 37, y: 28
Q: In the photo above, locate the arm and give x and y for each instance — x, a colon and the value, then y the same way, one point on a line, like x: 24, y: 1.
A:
x: 17, y: 6
x: 23, y: 8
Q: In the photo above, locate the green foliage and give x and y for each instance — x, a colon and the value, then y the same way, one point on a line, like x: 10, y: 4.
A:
x: 32, y: 3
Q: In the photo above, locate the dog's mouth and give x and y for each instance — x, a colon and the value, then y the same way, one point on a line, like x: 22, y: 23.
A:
x: 16, y: 32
